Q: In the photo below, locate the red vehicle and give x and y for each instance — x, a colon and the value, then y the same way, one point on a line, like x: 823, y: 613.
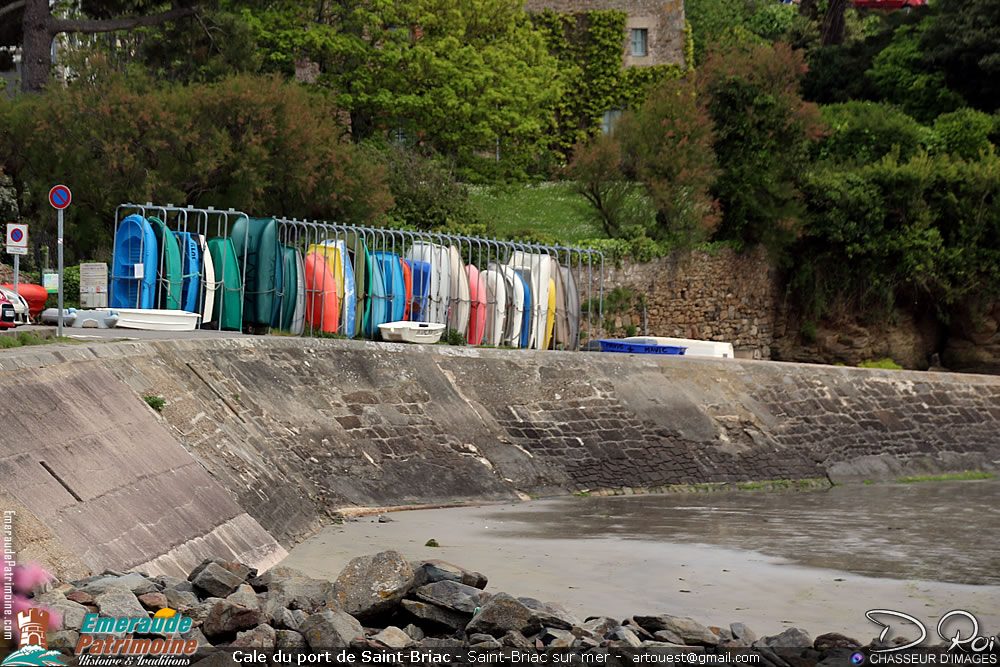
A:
x: 888, y: 5
x: 7, y: 316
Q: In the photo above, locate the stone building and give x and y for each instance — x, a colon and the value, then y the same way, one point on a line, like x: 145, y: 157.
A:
x: 654, y: 31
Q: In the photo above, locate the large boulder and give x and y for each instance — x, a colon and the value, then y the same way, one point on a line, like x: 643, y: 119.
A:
x: 329, y: 629
x: 453, y: 595
x: 501, y: 614
x: 118, y: 603
x: 72, y: 614
x: 216, y: 581
x: 289, y: 639
x: 550, y: 614
x: 373, y: 584
x: 134, y: 582
x: 244, y: 595
x: 794, y: 638
x: 435, y: 615
x: 179, y: 600
x: 226, y: 618
x: 309, y: 595
x: 393, y: 637
x: 690, y: 631
x: 262, y: 636
x: 431, y: 571
x: 242, y: 571
x: 263, y: 581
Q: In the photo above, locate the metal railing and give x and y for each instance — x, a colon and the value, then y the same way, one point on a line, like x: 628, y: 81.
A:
x: 331, y: 250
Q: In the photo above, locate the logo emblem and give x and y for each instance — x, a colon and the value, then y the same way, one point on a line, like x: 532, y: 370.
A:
x: 32, y: 649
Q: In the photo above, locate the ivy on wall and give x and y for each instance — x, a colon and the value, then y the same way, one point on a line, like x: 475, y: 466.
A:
x: 589, y: 48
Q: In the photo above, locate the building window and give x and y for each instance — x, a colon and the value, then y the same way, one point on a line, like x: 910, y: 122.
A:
x: 609, y: 120
x: 639, y: 37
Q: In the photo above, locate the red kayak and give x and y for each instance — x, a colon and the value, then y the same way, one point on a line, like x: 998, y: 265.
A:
x: 407, y: 287
x: 35, y: 295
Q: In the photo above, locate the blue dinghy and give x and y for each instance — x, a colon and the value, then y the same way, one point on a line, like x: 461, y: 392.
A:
x: 135, y: 244
x: 420, y: 273
x: 395, y: 288
x: 378, y: 301
x: 526, y: 322
x: 191, y: 256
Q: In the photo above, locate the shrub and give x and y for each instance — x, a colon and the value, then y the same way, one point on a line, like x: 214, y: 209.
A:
x: 881, y: 363
x: 155, y: 402
x: 864, y: 132
x: 965, y: 132
x: 426, y: 194
x: 256, y: 143
x: 929, y: 226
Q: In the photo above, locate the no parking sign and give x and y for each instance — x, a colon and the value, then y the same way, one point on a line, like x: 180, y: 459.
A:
x: 17, y: 239
x: 60, y: 197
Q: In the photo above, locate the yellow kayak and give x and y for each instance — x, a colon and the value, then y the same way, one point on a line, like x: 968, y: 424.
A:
x: 550, y: 315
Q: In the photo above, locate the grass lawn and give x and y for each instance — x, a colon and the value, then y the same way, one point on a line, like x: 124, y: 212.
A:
x: 549, y: 208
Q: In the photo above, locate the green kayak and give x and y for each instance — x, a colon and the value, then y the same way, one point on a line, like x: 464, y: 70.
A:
x: 290, y: 284
x: 228, y: 312
x: 361, y: 263
x: 256, y: 240
x: 172, y: 276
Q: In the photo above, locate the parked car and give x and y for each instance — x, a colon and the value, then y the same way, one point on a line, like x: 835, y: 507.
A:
x: 20, y: 306
x: 7, y: 315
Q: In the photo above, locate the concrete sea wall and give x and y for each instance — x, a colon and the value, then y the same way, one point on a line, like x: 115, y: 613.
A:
x: 262, y: 440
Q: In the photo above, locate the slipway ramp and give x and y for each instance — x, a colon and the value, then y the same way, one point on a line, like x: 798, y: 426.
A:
x: 91, y: 471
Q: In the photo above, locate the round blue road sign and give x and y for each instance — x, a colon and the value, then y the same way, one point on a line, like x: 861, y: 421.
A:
x: 60, y: 197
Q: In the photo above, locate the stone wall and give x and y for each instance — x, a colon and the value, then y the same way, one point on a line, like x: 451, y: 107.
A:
x: 723, y: 296
x: 292, y: 431
x: 662, y: 19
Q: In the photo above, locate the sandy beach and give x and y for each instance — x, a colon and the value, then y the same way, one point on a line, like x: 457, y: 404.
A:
x: 620, y: 577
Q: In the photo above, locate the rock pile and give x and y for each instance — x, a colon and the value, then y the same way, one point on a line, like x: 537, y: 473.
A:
x: 383, y: 601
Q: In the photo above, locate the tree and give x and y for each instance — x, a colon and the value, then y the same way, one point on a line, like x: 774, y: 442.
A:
x: 651, y: 177
x: 456, y: 74
x: 596, y: 170
x: 668, y: 142
x: 905, y: 77
x: 963, y: 40
x: 763, y: 130
x: 39, y: 27
x: 709, y: 19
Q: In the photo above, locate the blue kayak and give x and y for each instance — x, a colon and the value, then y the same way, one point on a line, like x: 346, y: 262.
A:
x: 526, y: 322
x: 420, y: 273
x: 395, y: 288
x: 135, y: 245
x: 191, y: 256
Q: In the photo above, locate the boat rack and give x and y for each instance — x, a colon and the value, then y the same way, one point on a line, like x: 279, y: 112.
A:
x: 581, y: 268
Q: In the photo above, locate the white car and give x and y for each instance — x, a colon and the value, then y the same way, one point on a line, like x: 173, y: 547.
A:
x: 21, y: 312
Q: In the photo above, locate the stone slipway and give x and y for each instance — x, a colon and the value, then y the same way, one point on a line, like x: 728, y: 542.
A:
x: 92, y: 472
x: 263, y: 439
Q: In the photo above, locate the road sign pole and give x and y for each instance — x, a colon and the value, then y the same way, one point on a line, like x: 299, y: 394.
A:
x: 17, y: 272
x: 59, y: 243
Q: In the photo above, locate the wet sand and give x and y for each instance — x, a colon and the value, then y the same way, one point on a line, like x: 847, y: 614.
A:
x: 590, y: 555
